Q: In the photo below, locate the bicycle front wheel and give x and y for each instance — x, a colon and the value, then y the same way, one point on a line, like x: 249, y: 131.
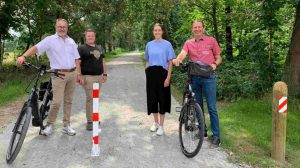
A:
x: 191, y: 129
x: 18, y: 133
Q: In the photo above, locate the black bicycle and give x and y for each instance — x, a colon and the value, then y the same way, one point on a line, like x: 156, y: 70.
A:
x: 37, y: 105
x: 191, y: 120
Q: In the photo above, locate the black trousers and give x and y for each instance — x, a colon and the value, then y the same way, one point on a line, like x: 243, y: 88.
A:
x: 158, y: 96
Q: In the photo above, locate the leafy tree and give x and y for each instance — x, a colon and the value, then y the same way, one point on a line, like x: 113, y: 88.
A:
x: 292, y: 64
x: 7, y: 20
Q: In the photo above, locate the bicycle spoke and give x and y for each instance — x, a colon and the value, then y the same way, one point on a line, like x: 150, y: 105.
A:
x: 191, y: 137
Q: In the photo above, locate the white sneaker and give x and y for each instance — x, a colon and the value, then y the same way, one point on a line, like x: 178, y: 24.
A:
x: 160, y: 130
x: 48, y: 130
x: 154, y: 127
x: 69, y: 131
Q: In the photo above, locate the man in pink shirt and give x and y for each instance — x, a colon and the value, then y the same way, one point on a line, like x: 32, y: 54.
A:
x: 205, y: 49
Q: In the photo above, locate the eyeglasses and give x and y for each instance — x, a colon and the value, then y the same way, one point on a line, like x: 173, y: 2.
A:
x: 61, y: 27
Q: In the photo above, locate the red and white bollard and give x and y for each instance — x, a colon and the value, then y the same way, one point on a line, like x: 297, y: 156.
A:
x: 96, y: 95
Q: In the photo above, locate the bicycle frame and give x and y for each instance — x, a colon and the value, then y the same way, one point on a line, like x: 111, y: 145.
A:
x: 189, y: 95
x: 30, y: 108
x: 33, y: 102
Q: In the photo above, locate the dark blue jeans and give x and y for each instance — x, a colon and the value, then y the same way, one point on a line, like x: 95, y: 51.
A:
x: 207, y: 86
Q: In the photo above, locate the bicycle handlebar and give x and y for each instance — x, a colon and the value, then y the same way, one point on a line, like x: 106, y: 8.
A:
x: 183, y: 67
x: 43, y: 68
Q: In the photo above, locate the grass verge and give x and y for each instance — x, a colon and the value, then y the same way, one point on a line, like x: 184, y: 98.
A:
x: 246, y: 127
x: 14, y: 79
x: 246, y: 131
x: 115, y: 54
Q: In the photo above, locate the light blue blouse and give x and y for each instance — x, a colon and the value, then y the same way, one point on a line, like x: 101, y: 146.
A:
x: 158, y: 53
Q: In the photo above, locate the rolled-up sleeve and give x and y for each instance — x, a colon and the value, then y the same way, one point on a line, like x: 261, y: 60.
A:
x: 74, y: 49
x: 186, y: 47
x: 42, y: 46
x: 171, y: 53
x: 216, y: 48
x: 75, y: 52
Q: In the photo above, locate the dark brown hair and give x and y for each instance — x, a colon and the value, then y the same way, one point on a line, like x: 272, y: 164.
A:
x: 89, y: 30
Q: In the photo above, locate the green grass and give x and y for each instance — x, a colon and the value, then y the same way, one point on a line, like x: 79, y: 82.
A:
x: 115, y: 54
x: 14, y: 79
x: 13, y: 82
x: 246, y: 130
x: 142, y: 54
x: 11, y: 90
x: 246, y: 127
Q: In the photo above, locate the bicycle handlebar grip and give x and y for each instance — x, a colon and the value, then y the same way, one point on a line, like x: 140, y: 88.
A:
x: 26, y: 63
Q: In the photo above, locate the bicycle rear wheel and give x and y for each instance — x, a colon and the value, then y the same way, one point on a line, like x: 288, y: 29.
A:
x: 191, y: 129
x: 18, y: 133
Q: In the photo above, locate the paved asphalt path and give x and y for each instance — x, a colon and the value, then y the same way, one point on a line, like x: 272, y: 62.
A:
x: 125, y: 140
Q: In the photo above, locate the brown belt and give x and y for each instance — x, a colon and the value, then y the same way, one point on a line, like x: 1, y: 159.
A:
x: 66, y: 70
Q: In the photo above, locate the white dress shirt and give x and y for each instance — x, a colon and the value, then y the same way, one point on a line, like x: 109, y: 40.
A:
x: 60, y: 52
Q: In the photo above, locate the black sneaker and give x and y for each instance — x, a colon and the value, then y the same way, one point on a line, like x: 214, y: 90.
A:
x: 215, y: 142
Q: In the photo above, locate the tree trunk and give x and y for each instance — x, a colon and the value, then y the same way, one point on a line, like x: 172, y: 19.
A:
x: 229, y: 49
x: 1, y: 55
x: 109, y: 42
x: 29, y: 29
x: 27, y: 45
x: 214, y: 18
x: 292, y: 64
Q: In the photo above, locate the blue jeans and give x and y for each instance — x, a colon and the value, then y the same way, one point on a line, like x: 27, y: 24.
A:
x: 207, y: 86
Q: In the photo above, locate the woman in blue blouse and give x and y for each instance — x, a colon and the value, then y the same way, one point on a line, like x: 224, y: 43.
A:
x: 158, y: 54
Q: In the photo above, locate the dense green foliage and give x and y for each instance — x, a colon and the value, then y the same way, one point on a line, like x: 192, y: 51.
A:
x: 258, y: 32
x: 254, y: 35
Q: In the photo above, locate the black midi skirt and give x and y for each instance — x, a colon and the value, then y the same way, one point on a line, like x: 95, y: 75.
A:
x: 158, y: 96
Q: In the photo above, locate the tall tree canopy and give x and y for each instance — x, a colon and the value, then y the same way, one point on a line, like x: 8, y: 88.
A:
x: 253, y: 34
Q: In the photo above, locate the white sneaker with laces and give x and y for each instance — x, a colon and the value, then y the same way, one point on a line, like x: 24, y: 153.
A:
x: 48, y: 130
x: 154, y: 127
x: 69, y: 131
x: 160, y: 130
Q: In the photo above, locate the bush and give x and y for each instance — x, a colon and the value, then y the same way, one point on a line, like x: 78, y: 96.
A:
x: 237, y: 79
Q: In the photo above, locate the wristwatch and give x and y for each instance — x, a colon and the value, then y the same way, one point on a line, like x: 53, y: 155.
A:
x: 104, y: 74
x: 215, y: 63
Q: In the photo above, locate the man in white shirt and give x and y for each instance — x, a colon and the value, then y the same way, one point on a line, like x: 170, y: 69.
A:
x: 63, y: 55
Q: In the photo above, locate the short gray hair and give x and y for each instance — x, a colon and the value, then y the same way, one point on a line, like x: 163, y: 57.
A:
x: 61, y: 19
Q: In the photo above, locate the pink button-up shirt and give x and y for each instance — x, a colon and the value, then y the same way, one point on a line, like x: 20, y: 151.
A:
x: 203, y: 50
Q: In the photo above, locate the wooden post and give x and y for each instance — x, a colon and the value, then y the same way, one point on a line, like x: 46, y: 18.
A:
x: 279, y: 123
